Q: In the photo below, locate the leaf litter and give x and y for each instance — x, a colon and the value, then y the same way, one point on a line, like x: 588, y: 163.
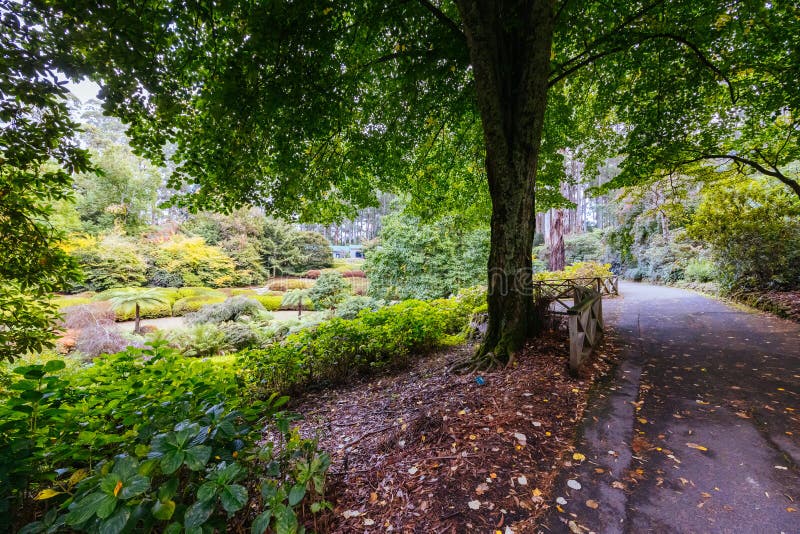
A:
x: 427, y: 450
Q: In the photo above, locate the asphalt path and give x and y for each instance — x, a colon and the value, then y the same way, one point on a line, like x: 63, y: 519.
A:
x: 698, y: 431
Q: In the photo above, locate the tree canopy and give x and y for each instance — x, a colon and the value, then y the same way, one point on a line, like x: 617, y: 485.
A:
x: 308, y: 108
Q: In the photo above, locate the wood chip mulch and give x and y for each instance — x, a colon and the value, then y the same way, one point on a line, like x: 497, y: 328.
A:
x: 430, y: 451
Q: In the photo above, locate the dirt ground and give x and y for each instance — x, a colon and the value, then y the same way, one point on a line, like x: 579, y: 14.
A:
x: 427, y: 450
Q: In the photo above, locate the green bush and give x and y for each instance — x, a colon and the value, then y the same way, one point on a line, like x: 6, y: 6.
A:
x: 148, y: 441
x: 108, y: 261
x: 62, y: 301
x: 229, y: 310
x: 333, y: 351
x: 422, y: 260
x: 270, y: 302
x: 753, y: 230
x: 350, y: 308
x: 197, y: 263
x: 329, y: 290
x: 286, y: 284
x: 240, y: 336
x: 699, y: 271
x: 199, y: 340
x: 192, y: 304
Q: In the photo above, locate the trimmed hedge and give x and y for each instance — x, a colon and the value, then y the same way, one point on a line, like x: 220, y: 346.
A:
x: 334, y: 351
x: 270, y: 302
x: 193, y: 304
x: 285, y: 284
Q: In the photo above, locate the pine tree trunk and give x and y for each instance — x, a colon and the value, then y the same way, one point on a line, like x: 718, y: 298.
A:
x: 509, y: 43
x: 136, y: 328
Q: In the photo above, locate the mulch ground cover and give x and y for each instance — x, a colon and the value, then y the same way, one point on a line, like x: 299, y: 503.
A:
x: 783, y: 303
x: 427, y: 450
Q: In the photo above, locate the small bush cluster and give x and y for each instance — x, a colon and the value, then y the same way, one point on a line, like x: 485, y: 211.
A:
x: 231, y: 309
x: 335, y: 350
x: 584, y: 269
x: 350, y: 308
x: 354, y: 274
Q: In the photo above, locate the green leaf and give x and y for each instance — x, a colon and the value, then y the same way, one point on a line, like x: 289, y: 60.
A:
x: 108, y: 484
x: 233, y: 497
x: 197, y: 514
x: 296, y: 494
x: 197, y: 457
x: 171, y: 461
x: 173, y: 528
x: 163, y: 510
x: 261, y: 522
x: 134, y: 486
x: 207, y: 491
x: 107, y: 506
x: 168, y: 489
x: 85, y: 508
x: 285, y: 520
x: 126, y: 467
x: 54, y: 365
x: 116, y: 523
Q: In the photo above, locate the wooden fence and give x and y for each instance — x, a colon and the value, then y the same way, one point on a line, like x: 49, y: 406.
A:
x: 559, y: 292
x: 581, y: 299
x: 585, y: 325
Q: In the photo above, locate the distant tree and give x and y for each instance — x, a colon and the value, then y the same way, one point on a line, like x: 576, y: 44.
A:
x: 316, y: 251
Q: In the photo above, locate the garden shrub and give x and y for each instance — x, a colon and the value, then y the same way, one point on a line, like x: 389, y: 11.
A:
x: 285, y: 284
x: 315, y: 252
x: 330, y: 290
x: 753, y: 229
x: 65, y: 301
x: 186, y: 305
x: 354, y: 274
x: 148, y: 441
x: 334, y: 350
x: 230, y: 309
x: 350, y: 308
x: 240, y: 335
x: 96, y: 340
x: 197, y: 263
x: 83, y: 315
x: 312, y: 274
x: 108, y: 261
x: 698, y: 270
x: 199, y: 340
x: 297, y: 300
x: 584, y: 269
x: 270, y: 302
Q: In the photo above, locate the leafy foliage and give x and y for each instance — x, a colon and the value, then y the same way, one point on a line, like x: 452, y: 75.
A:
x: 335, y: 350
x: 38, y: 152
x: 109, y: 261
x: 197, y: 263
x: 753, y: 230
x: 132, y: 454
x: 328, y: 291
x: 417, y: 260
x: 232, y: 309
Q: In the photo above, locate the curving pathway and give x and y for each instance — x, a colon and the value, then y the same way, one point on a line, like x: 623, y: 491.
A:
x: 699, y: 430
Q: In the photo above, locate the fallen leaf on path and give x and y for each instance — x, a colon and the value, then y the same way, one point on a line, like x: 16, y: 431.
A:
x: 696, y: 446
x: 592, y: 504
x: 618, y: 485
x: 347, y: 514
x: 574, y: 484
x: 474, y: 504
x: 578, y: 456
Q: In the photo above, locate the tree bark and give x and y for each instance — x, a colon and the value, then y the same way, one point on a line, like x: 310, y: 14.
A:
x: 557, y: 257
x: 509, y: 43
x: 136, y: 328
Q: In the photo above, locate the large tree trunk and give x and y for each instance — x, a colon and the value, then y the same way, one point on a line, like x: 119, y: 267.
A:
x: 509, y: 43
x: 556, y: 260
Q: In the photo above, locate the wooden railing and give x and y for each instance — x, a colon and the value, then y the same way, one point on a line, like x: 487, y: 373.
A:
x: 558, y: 292
x: 585, y: 325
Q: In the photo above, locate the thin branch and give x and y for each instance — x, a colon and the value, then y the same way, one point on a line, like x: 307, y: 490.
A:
x: 444, y: 19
